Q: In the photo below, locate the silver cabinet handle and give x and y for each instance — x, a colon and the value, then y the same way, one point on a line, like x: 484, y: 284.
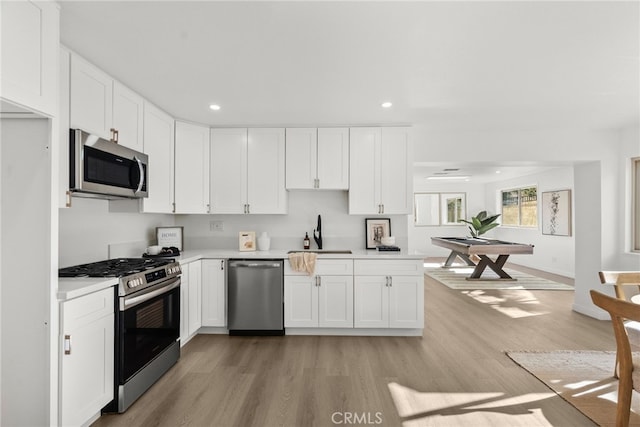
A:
x: 67, y: 344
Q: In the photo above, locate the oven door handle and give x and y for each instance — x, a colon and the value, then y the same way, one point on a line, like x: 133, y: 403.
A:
x: 139, y: 299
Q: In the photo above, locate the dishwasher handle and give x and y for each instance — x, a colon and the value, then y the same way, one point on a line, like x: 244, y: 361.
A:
x: 234, y: 264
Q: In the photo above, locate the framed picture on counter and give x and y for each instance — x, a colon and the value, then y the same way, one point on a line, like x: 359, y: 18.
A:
x: 375, y: 230
x: 247, y: 241
x: 170, y: 237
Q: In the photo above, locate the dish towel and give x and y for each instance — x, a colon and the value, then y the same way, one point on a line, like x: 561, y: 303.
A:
x: 303, y: 261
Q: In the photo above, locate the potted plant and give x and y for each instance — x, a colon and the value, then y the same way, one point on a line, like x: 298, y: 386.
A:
x: 481, y: 223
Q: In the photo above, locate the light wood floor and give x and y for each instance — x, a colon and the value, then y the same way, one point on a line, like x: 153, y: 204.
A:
x: 456, y: 374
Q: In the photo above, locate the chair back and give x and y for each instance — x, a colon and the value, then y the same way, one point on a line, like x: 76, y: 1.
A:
x: 620, y: 279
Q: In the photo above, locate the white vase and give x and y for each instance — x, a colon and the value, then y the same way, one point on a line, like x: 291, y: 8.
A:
x: 264, y: 242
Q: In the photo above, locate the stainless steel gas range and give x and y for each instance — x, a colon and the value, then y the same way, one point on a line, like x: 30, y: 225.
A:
x: 147, y: 339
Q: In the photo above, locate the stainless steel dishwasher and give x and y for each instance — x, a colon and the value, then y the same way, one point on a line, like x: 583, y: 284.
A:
x: 255, y: 296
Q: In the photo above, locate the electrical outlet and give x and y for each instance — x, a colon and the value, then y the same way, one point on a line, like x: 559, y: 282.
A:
x: 216, y: 226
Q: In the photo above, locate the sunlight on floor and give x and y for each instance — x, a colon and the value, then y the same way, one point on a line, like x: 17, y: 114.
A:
x: 423, y: 406
x: 513, y: 304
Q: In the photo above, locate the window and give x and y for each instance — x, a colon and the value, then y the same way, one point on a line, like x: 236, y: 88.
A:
x: 520, y: 207
x: 439, y: 208
x: 636, y: 204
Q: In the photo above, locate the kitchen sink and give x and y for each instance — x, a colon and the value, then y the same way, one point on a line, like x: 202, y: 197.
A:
x: 323, y: 251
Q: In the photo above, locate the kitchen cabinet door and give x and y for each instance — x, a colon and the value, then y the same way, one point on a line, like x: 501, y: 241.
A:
x: 379, y: 172
x: 184, y: 305
x: 301, y: 158
x: 406, y: 302
x: 195, y: 297
x: 64, y: 196
x: 335, y: 301
x: 266, y: 191
x: 371, y: 302
x: 228, y: 173
x: 192, y: 168
x: 159, y: 146
x: 87, y: 356
x: 396, y: 181
x: 91, y: 98
x: 128, y: 117
x: 333, y: 158
x: 364, y: 171
x: 300, y: 302
x: 213, y: 293
x: 30, y: 34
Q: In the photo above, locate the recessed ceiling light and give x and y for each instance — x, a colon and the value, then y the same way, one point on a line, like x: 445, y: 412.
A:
x: 386, y: 104
x: 214, y: 107
x: 449, y: 177
x: 498, y: 171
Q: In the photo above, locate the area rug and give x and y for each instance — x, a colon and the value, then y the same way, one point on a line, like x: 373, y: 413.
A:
x: 454, y: 278
x: 582, y: 378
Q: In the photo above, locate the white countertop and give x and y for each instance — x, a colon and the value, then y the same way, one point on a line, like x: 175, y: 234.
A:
x: 194, y: 255
x: 69, y: 288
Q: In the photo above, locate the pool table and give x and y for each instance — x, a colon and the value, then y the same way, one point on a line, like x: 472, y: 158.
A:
x: 464, y: 247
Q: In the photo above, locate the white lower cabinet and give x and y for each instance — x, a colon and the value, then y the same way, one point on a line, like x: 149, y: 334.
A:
x: 213, y: 293
x: 190, y: 300
x: 87, y: 356
x: 388, y: 294
x: 323, y: 300
x: 318, y: 301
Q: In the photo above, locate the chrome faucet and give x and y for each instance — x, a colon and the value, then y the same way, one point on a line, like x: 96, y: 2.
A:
x: 318, y: 237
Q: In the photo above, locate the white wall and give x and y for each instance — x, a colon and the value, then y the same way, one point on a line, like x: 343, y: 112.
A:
x: 88, y: 228
x: 554, y: 254
x: 339, y: 229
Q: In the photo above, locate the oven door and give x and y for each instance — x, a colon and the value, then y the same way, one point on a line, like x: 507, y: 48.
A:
x: 149, y: 322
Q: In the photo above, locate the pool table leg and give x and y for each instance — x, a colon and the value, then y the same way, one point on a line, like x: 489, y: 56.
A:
x: 496, y: 266
x: 452, y: 258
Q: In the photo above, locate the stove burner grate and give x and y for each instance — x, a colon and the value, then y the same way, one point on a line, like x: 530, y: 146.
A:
x: 118, y: 267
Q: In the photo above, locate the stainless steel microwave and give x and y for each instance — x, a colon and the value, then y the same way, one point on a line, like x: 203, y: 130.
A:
x: 103, y: 169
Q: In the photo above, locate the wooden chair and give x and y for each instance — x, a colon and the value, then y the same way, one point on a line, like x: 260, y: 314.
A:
x: 620, y: 279
x: 628, y: 368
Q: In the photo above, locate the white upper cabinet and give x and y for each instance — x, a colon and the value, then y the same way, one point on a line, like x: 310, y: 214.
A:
x: 333, y: 158
x: 301, y: 158
x: 128, y: 117
x: 30, y: 35
x: 159, y: 145
x: 317, y: 158
x: 103, y: 106
x: 248, y: 171
x: 91, y: 98
x: 192, y: 168
x: 266, y: 193
x: 228, y: 171
x: 379, y: 172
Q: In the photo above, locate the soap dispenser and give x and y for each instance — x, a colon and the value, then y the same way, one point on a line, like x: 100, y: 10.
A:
x: 307, y: 242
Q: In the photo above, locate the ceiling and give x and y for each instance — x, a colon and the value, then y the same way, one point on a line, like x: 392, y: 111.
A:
x: 444, y: 65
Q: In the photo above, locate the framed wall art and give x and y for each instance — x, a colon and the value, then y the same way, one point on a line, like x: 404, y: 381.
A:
x: 170, y: 237
x: 375, y: 230
x: 556, y: 213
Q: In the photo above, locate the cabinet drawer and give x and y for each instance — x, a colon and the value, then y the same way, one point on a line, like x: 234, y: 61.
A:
x: 400, y: 267
x: 324, y: 267
x: 89, y: 307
